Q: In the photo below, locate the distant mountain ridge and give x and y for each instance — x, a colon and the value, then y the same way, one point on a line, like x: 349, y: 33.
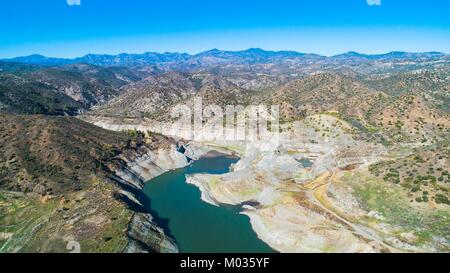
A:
x: 142, y: 84
x: 252, y: 55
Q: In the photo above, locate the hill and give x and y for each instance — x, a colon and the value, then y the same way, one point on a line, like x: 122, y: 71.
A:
x: 22, y: 96
x: 59, y: 184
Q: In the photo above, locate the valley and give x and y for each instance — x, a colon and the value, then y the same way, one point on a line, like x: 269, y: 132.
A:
x: 361, y: 163
x: 332, y: 204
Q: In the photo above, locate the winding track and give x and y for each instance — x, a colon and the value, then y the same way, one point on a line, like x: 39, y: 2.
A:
x: 316, y: 193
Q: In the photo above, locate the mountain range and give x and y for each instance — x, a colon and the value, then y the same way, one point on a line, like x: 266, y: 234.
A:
x: 249, y: 56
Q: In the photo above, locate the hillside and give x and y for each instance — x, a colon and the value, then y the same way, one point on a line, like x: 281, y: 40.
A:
x: 325, y: 92
x: 59, y: 183
x: 87, y: 84
x: 66, y: 90
x: 434, y: 84
x: 22, y: 96
x: 374, y: 107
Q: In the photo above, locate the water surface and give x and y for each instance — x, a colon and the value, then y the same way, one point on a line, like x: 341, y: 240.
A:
x: 196, y: 225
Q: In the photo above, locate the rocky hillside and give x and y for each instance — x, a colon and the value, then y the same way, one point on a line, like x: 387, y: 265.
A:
x: 376, y: 110
x: 22, y: 96
x: 86, y: 84
x: 424, y: 173
x: 324, y: 92
x: 63, y: 180
x: 150, y: 95
x: 156, y: 94
x: 408, y: 116
x: 67, y: 90
x: 433, y: 84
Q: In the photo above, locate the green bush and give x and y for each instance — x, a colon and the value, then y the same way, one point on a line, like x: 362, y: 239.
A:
x: 441, y: 199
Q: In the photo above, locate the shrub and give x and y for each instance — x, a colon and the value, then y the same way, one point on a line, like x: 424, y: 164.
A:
x: 441, y: 199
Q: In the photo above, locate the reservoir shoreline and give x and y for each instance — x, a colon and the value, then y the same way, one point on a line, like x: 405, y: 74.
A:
x: 196, y: 225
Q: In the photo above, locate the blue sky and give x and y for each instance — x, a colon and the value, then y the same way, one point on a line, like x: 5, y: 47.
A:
x: 54, y: 28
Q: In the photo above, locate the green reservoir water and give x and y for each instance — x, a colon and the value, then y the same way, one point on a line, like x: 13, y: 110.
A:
x: 196, y: 225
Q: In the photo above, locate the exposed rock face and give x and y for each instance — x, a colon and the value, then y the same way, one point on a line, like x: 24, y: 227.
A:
x: 24, y: 96
x: 134, y: 169
x: 86, y: 84
x: 145, y: 236
x: 65, y: 180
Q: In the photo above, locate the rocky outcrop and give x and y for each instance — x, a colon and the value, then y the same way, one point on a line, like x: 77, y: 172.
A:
x: 134, y: 168
x: 131, y: 170
x: 146, y: 237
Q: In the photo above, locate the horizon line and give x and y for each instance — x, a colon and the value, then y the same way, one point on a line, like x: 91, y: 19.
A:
x: 242, y: 50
